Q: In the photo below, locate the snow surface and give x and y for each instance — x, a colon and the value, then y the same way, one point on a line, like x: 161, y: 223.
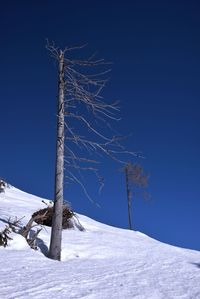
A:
x: 102, y: 262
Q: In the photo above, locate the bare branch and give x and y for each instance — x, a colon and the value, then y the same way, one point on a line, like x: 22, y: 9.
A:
x: 85, y: 80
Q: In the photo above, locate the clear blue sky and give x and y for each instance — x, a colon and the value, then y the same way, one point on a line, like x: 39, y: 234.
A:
x: 155, y: 49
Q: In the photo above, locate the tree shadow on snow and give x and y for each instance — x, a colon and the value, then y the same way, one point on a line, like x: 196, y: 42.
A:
x: 196, y: 264
x: 39, y: 243
x: 43, y: 247
x: 4, y: 220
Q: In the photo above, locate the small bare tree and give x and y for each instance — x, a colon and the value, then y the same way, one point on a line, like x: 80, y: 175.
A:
x: 135, y: 179
x: 83, y: 128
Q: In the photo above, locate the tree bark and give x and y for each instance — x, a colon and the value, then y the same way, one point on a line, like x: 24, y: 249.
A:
x: 128, y: 191
x: 56, y: 232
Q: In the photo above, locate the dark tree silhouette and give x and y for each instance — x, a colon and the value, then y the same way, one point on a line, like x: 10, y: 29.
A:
x: 135, y: 179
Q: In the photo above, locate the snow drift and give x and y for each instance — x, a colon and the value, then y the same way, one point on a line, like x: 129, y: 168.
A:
x: 102, y: 262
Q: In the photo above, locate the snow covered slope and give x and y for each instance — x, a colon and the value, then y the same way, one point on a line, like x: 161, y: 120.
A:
x: 102, y: 262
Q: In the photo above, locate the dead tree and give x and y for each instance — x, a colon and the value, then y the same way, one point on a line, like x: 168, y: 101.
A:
x: 56, y: 233
x: 80, y: 142
x: 25, y: 232
x: 135, y: 179
x: 128, y: 192
x: 16, y: 227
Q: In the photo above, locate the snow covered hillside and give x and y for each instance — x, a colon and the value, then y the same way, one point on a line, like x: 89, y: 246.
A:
x: 102, y: 262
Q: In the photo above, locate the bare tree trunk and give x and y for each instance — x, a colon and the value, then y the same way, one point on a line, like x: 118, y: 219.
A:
x: 128, y: 191
x: 56, y: 232
x: 85, y: 79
